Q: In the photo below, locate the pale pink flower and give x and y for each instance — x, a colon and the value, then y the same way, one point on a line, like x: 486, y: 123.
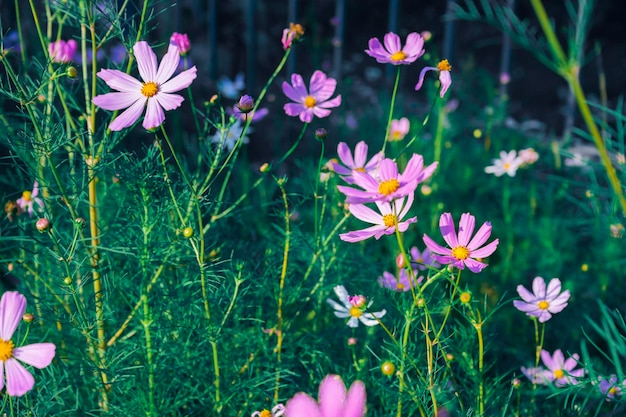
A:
x: 315, y: 101
x: 355, y: 163
x: 399, y: 129
x: 528, y: 156
x: 62, y: 51
x: 29, y: 200
x: 333, y: 400
x: 277, y: 411
x: 393, y: 52
x: 422, y: 260
x: 542, y: 302
x: 357, y: 313
x: 508, y: 164
x: 155, y: 90
x: 560, y: 370
x: 444, y: 68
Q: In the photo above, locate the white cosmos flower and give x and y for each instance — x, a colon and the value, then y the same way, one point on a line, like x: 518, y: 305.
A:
x: 507, y: 164
x: 355, y: 310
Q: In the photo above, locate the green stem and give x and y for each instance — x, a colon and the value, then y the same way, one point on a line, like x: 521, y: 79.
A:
x: 391, y: 106
x: 281, y: 286
x: 481, y: 353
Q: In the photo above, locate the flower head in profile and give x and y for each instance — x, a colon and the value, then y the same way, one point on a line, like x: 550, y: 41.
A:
x: 542, y: 302
x: 611, y: 387
x: 332, y: 400
x: 356, y: 162
x: 293, y: 33
x: 388, y: 184
x: 399, y: 129
x: 389, y: 217
x: 356, y: 311
x: 315, y: 101
x: 508, y: 163
x: 153, y: 93
x: 228, y: 136
x: 560, y: 370
x: 536, y: 375
x: 444, y: 68
x: 30, y: 200
x: 422, y: 260
x: 402, y: 283
x: 18, y: 380
x: 181, y: 40
x: 463, y: 252
x: 393, y: 53
x: 277, y: 411
x: 231, y: 88
x: 62, y: 51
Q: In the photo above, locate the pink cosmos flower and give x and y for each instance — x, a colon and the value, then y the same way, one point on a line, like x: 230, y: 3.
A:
x: 542, y: 302
x: 357, y: 313
x: 155, y: 90
x: 422, y: 260
x: 313, y: 102
x: 385, y: 222
x: 388, y: 185
x: 393, y: 52
x: 444, y: 69
x: 18, y: 380
x: 536, y: 375
x: 358, y: 163
x: 508, y: 164
x: 29, y: 199
x: 463, y: 251
x: 62, y: 51
x: 181, y: 40
x: 560, y: 370
x: 400, y: 284
x: 333, y: 400
x: 399, y: 129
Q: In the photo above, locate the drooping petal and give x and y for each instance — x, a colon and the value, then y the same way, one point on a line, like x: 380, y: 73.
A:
x: 168, y: 64
x: 423, y: 72
x: 128, y: 117
x: 12, y: 307
x: 331, y: 396
x: 146, y: 61
x: 19, y: 380
x: 302, y: 405
x: 446, y: 82
x: 38, y: 355
x: 181, y: 81
x: 117, y: 101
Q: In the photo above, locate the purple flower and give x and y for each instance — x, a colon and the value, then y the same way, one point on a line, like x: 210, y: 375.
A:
x: 389, y: 184
x: 560, y: 370
x: 18, y: 380
x: 333, y: 400
x: 245, y: 104
x: 463, y: 251
x: 12, y: 42
x: 29, y: 199
x: 155, y: 90
x: 542, y: 302
x: 385, y: 222
x: 314, y: 102
x: 422, y: 260
x: 181, y: 40
x: 355, y: 312
x: 611, y: 388
x: 536, y: 375
x: 62, y: 51
x: 393, y: 52
x: 444, y: 69
x: 358, y: 163
x: 293, y: 33
x: 400, y: 284
x: 256, y: 115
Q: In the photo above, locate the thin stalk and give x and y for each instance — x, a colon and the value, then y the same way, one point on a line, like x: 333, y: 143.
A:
x: 481, y: 353
x: 391, y: 106
x: 316, y: 220
x: 281, y: 286
x: 147, y: 314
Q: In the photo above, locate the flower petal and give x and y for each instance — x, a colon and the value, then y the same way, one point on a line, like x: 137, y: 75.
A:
x: 168, y: 64
x: 434, y: 247
x: 345, y: 155
x: 539, y: 287
x: 181, y: 81
x: 331, y: 397
x: 12, y: 307
x: 128, y: 117
x: 19, y: 380
x: 117, y: 101
x: 481, y: 236
x: 154, y: 115
x: 302, y: 405
x: 146, y: 61
x: 392, y: 43
x: 169, y: 101
x: 466, y: 228
x: 120, y: 81
x: 38, y: 355
x: 354, y: 405
x: 485, y: 250
x: 446, y: 225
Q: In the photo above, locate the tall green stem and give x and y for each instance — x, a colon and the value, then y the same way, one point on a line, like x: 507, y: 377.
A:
x: 391, y: 107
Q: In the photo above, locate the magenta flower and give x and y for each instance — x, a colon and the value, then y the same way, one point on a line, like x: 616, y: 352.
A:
x: 542, y: 302
x: 181, y: 41
x: 29, y: 199
x: 388, y: 185
x: 61, y: 51
x: 422, y: 260
x: 399, y: 129
x: 384, y: 222
x: 18, y: 380
x: 463, y: 251
x: 400, y: 284
x: 560, y: 370
x: 314, y: 102
x: 333, y: 400
x: 358, y: 163
x: 393, y: 52
x: 444, y: 69
x: 155, y: 90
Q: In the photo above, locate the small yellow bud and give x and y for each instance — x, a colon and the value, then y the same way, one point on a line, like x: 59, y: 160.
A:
x: 28, y: 318
x: 72, y: 72
x: 388, y: 368
x: 477, y: 133
x: 264, y: 167
x: 188, y: 232
x: 67, y: 281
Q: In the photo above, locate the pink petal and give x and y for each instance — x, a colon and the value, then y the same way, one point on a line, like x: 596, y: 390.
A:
x: 297, y: 90
x: 331, y: 397
x: 306, y: 116
x: 434, y: 247
x: 446, y: 82
x: 414, y: 46
x: 168, y: 64
x: 355, y: 403
x: 539, y: 287
x: 525, y: 294
x: 423, y: 72
x: 343, y: 151
x: 365, y: 181
x: 19, y: 380
x: 128, y: 117
x: 377, y: 51
x: 1, y: 375
x: 12, y: 307
x: 120, y: 81
x: 481, y: 236
x: 365, y: 214
x: 38, y: 355
x: 360, y: 154
x: 466, y: 228
x: 319, y: 112
x: 388, y: 170
x: 302, y: 405
x: 146, y: 61
x: 154, y: 115
x: 322, y: 88
x: 181, y: 81
x: 485, y: 250
x: 293, y: 109
x: 329, y: 104
x: 554, y: 288
x: 117, y: 101
x: 446, y: 225
x: 392, y: 43
x: 359, y: 235
x: 474, y: 265
x: 169, y: 101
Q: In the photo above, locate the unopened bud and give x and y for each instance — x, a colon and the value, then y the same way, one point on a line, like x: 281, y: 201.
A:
x: 264, y: 167
x: 72, y: 72
x: 42, y: 224
x: 67, y: 281
x: 245, y: 104
x: 400, y: 261
x: 28, y: 318
x: 320, y: 134
x: 80, y: 222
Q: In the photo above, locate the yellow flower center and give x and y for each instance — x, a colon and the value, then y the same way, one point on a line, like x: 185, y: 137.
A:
x: 398, y: 56
x: 309, y: 102
x: 359, y: 169
x: 613, y: 391
x: 558, y: 373
x: 298, y: 31
x: 506, y: 165
x: 444, y: 65
x: 400, y: 286
x: 389, y: 220
x: 356, y: 312
x: 150, y: 89
x: 389, y: 186
x: 27, y: 195
x: 465, y: 297
x: 6, y: 350
x: 543, y: 304
x: 265, y: 413
x: 461, y: 253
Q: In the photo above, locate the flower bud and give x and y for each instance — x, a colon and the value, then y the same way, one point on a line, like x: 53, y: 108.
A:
x: 320, y: 134
x: 67, y: 281
x: 188, y: 232
x: 72, y: 72
x: 245, y: 104
x: 352, y: 341
x: 357, y: 300
x: 264, y: 167
x: 400, y: 261
x: 388, y: 368
x: 42, y: 224
x: 28, y: 318
x: 181, y: 41
x: 80, y: 222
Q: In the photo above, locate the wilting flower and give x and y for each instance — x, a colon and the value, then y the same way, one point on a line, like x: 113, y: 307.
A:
x: 402, y: 283
x: 18, y: 380
x: 399, y: 129
x: 444, y: 69
x: 463, y: 251
x: 314, y: 102
x: 393, y: 52
x: 507, y: 164
x: 293, y: 33
x: 422, y: 260
x: 542, y: 302
x: 390, y: 216
x: 358, y: 163
x: 231, y: 88
x: 277, y: 411
x: 229, y: 135
x: 155, y: 90
x: 560, y: 370
x: 356, y: 313
x: 29, y: 199
x: 611, y: 388
x: 389, y: 184
x: 62, y: 51
x: 181, y: 40
x: 333, y: 400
